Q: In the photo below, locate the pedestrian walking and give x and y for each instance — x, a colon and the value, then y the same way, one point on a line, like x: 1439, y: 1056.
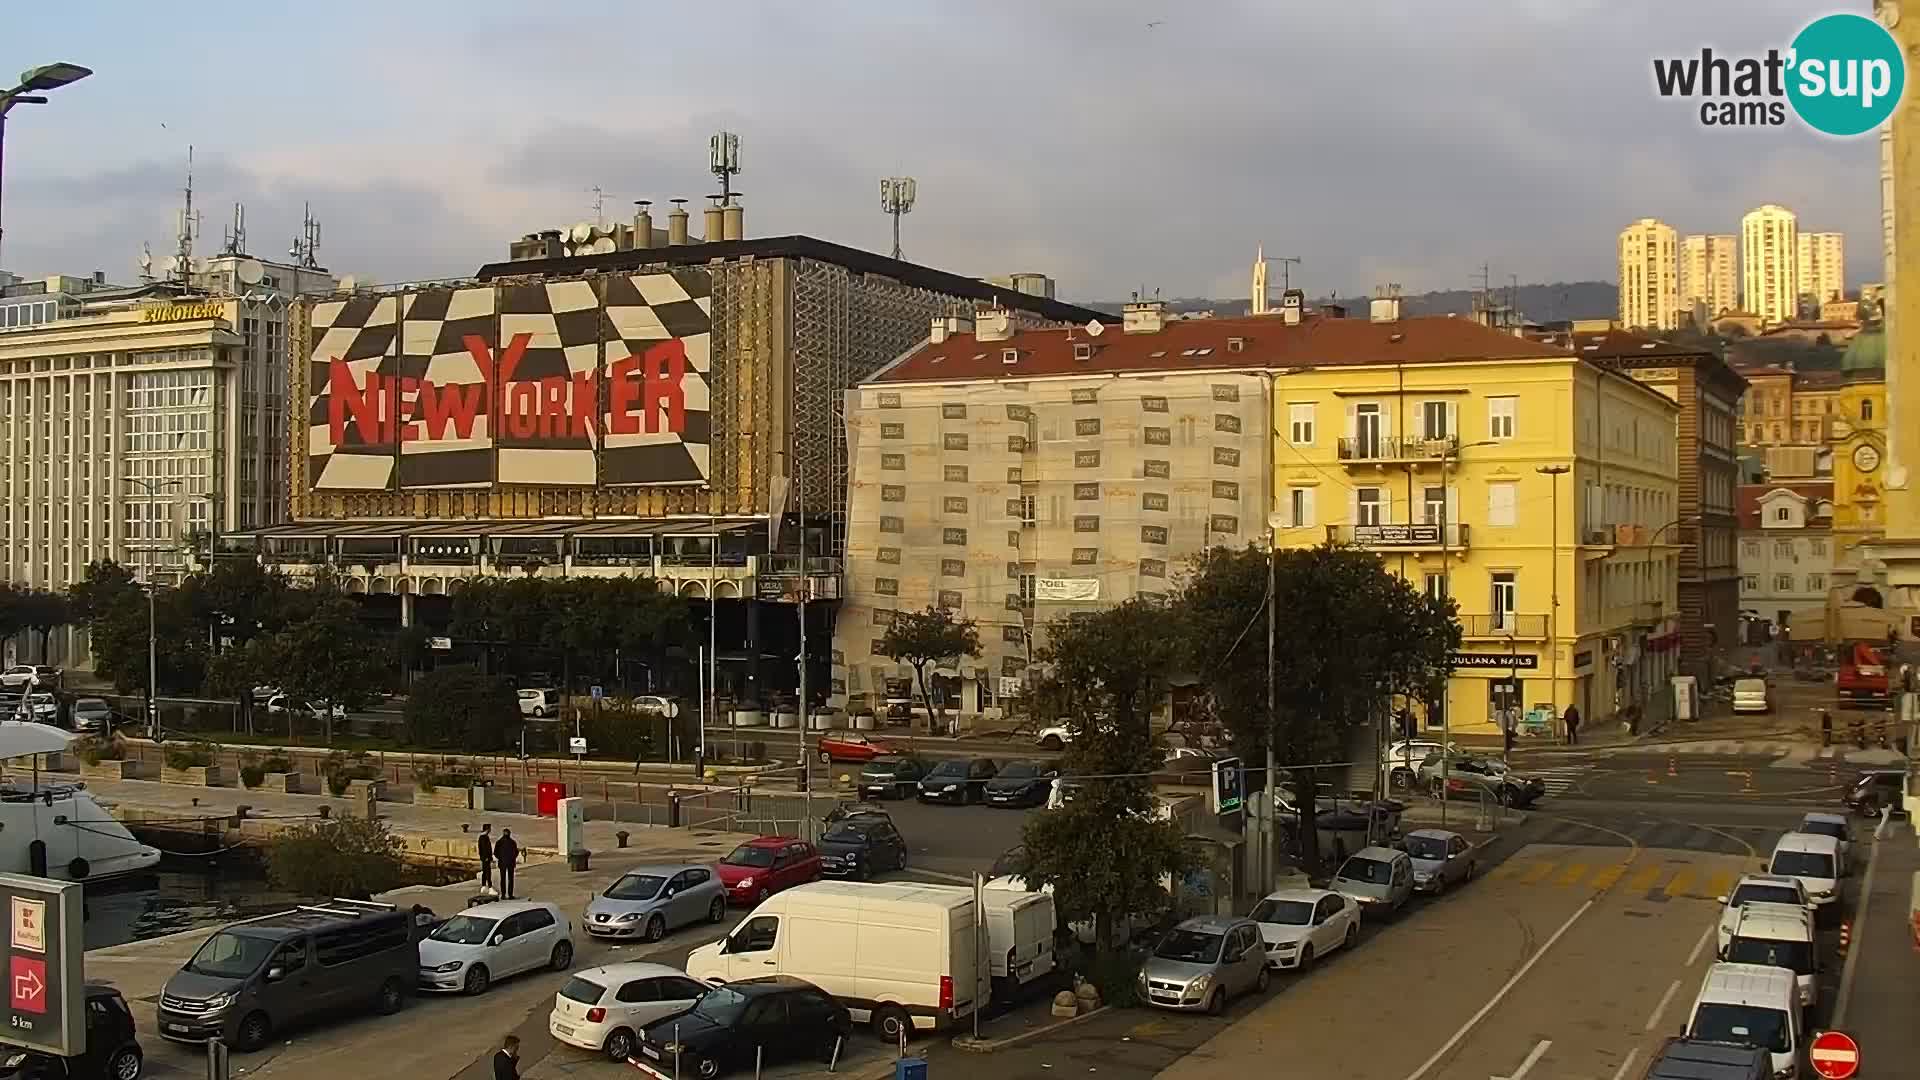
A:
x: 486, y: 856
x: 506, y: 1060
x: 506, y: 852
x: 1506, y: 734
x: 1572, y: 720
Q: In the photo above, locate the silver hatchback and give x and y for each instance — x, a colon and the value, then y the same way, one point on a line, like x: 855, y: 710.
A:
x: 1203, y: 962
x: 648, y: 901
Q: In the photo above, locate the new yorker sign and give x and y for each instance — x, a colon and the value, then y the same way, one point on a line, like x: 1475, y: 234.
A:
x: 203, y: 309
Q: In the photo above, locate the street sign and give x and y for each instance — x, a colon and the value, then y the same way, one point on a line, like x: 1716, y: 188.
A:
x: 441, y: 644
x: 1229, y: 786
x: 577, y: 745
x: 1835, y: 1055
x: 597, y: 692
x: 46, y: 984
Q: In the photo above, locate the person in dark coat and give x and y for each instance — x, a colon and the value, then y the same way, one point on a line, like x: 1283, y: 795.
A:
x: 486, y: 856
x: 506, y: 853
x: 506, y: 1060
x: 1572, y: 719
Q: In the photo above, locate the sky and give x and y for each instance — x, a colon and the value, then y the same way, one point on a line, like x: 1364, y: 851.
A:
x: 1113, y: 144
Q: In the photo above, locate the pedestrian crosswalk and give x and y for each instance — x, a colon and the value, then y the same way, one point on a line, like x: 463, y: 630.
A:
x: 1650, y: 880
x: 1560, y: 779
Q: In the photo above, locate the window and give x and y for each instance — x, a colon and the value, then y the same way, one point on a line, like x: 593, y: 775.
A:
x: 1502, y: 503
x: 1501, y: 412
x: 1783, y: 549
x: 1505, y: 599
x: 1437, y: 586
x: 1434, y: 416
x: 757, y: 936
x: 1300, y: 503
x: 1750, y: 549
x: 1750, y: 583
x: 1817, y: 547
x: 1369, y: 508
x: 1866, y: 409
x: 1816, y: 582
x: 1300, y: 423
x: 1783, y: 582
x: 1434, y: 505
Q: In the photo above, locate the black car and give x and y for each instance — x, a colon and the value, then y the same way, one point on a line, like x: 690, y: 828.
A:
x: 958, y: 781
x: 781, y: 1017
x: 891, y: 778
x: 1022, y: 783
x: 1877, y: 788
x: 861, y: 845
x: 112, y: 1053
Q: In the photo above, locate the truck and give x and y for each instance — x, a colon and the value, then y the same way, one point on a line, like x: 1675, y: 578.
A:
x: 1862, y: 678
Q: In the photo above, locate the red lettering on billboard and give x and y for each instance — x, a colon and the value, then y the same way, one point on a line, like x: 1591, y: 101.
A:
x: 666, y: 367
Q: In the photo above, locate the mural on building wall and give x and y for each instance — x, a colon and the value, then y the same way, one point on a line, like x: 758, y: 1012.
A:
x: 572, y: 383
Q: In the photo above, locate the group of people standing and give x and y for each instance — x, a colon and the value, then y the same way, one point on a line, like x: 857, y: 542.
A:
x: 505, y: 851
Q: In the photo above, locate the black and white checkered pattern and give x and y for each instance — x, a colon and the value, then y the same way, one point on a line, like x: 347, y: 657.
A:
x: 360, y: 332
x: 434, y: 329
x: 642, y: 311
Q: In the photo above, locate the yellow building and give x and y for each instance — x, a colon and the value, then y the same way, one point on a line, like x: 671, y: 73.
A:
x: 1508, y: 481
x: 1857, y: 437
x: 1900, y: 209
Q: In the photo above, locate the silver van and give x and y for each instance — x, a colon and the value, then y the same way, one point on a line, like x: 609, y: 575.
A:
x: 255, y: 978
x: 1379, y: 879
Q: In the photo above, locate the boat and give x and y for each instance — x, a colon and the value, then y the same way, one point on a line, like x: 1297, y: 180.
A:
x: 56, y: 829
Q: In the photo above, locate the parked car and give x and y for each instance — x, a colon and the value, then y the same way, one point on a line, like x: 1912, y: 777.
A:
x: 1022, y: 783
x: 770, y: 1020
x: 40, y: 707
x: 1834, y: 825
x: 1469, y: 776
x: 468, y: 952
x: 1054, y: 737
x: 1379, y: 879
x: 958, y: 781
x: 1403, y: 759
x: 266, y: 975
x: 1750, y: 696
x: 1440, y: 859
x: 1751, y: 1005
x: 764, y: 865
x: 21, y: 676
x: 1814, y: 860
x: 656, y: 705
x: 892, y: 778
x: 850, y: 746
x: 1298, y: 926
x: 858, y: 847
x: 1877, y: 788
x: 648, y: 901
x: 846, y: 811
x: 1763, y: 889
x: 606, y: 1008
x: 91, y: 716
x: 1204, y: 961
x: 112, y: 1049
x: 280, y: 703
x: 539, y: 704
x: 1778, y: 935
x: 1700, y: 1059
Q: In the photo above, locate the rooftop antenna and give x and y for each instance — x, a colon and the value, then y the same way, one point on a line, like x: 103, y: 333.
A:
x: 236, y: 234
x: 1286, y: 279
x: 146, y: 261
x: 305, y: 249
x: 188, y: 228
x: 896, y: 199
x: 723, y: 161
x: 599, y: 207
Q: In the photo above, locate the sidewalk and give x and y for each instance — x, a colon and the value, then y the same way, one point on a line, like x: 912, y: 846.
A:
x: 1878, y: 977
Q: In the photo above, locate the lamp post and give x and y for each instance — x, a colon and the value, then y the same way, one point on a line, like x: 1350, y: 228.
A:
x: 1553, y: 473
x: 153, y: 489
x: 44, y: 77
x: 1447, y: 458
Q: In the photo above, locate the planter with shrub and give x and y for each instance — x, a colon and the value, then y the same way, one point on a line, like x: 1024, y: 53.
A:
x: 194, y: 763
x: 105, y: 759
x: 448, y: 783
x: 279, y: 775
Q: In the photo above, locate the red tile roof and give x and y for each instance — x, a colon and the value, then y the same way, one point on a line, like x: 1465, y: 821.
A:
x: 1627, y: 346
x: 1746, y: 499
x: 1201, y: 344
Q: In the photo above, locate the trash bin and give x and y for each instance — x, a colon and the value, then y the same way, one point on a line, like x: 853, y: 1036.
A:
x: 910, y: 1068
x: 547, y: 796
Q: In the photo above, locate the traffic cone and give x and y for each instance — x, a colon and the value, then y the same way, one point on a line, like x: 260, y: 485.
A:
x: 1673, y: 765
x: 1846, y: 936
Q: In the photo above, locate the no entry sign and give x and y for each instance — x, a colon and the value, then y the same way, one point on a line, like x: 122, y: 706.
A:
x: 1834, y: 1055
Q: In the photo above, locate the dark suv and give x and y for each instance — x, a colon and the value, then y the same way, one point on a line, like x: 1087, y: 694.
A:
x: 112, y: 1053
x: 1877, y: 788
x: 769, y: 1021
x: 264, y: 975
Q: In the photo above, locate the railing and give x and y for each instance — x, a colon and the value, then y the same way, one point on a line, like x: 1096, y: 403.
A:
x: 1518, y: 627
x: 1396, y: 448
x: 1649, y: 611
x: 1398, y: 536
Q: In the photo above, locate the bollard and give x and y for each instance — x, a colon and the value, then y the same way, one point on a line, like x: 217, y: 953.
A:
x: 217, y: 1068
x: 757, y: 1050
x: 620, y: 838
x: 833, y: 1063
x: 1826, y: 728
x: 673, y: 809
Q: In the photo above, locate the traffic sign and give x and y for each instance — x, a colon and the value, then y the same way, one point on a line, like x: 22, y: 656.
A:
x: 1229, y: 786
x: 440, y: 644
x: 1835, y: 1055
x: 46, y: 983
x: 597, y: 692
x: 577, y: 745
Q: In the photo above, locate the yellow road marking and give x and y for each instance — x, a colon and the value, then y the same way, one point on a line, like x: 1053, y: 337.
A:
x: 1644, y: 880
x: 1506, y: 870
x: 1607, y: 875
x: 1720, y: 883
x: 1571, y: 875
x: 1681, y: 880
x: 1538, y: 873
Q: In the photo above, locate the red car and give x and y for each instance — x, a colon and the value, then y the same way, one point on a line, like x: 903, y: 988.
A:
x: 763, y: 866
x: 851, y: 746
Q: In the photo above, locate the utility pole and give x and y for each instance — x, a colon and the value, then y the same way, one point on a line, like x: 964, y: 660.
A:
x: 1553, y: 473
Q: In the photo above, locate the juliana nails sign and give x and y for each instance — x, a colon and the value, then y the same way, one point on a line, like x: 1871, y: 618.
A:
x: 204, y: 309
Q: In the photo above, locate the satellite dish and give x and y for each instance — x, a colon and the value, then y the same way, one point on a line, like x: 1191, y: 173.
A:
x: 250, y: 271
x: 171, y: 265
x: 581, y: 232
x: 1095, y: 328
x: 603, y: 245
x: 569, y: 250
x: 347, y: 283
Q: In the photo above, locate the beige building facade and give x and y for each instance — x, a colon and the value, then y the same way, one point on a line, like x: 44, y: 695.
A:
x: 1709, y: 275
x: 1649, y: 276
x: 1821, y: 266
x: 1770, y: 263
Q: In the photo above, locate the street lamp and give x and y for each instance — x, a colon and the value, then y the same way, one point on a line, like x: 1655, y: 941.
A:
x: 153, y: 489
x: 1553, y: 473
x: 44, y: 77
x: 1447, y: 457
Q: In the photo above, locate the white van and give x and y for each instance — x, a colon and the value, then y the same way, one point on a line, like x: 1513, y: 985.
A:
x: 902, y: 956
x: 1815, y: 860
x: 1020, y: 929
x: 1752, y: 1005
x: 1777, y: 935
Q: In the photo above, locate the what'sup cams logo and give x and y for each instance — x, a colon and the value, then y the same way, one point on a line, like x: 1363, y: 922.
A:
x: 1843, y: 75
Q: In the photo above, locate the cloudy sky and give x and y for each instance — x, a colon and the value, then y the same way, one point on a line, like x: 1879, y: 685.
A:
x: 1110, y: 143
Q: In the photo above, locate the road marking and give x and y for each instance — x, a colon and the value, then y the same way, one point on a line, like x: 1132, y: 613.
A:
x: 1572, y: 875
x: 1853, y: 953
x: 1678, y: 886
x: 1527, y: 1065
x: 1719, y: 883
x: 1626, y: 1063
x: 1644, y: 880
x: 1653, y: 1019
x: 1538, y: 873
x: 1701, y: 945
x: 1506, y: 870
x: 1604, y: 880
x: 1500, y: 994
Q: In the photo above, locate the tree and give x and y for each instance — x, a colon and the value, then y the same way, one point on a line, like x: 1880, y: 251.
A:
x: 114, y: 610
x: 105, y: 586
x: 460, y: 707
x: 925, y: 638
x: 1105, y: 852
x: 352, y: 858
x: 239, y: 599
x: 325, y: 656
x: 1349, y: 636
x: 41, y: 611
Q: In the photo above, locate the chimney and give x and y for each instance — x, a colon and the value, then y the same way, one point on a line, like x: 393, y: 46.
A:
x: 554, y: 248
x: 99, y: 277
x: 1143, y: 317
x: 938, y: 334
x: 714, y: 227
x: 1292, y: 303
x: 733, y: 222
x: 993, y: 324
x: 677, y: 223
x: 1386, y: 304
x: 642, y: 224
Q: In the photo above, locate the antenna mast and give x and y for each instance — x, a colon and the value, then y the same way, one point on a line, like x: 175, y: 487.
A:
x: 599, y: 207
x: 188, y: 230
x: 1286, y: 279
x: 305, y: 249
x: 236, y: 234
x: 723, y: 161
x: 896, y: 199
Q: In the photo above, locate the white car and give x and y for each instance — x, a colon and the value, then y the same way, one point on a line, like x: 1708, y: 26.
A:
x: 604, y: 1008
x: 1298, y: 926
x: 20, y: 675
x: 40, y: 707
x: 539, y: 704
x: 1814, y: 860
x: 468, y: 952
x: 1054, y: 737
x: 282, y: 703
x: 1836, y: 826
x: 1403, y: 759
x: 1750, y: 696
x: 1757, y: 888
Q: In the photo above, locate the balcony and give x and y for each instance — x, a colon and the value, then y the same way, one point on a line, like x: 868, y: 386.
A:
x: 1399, y: 537
x: 1394, y: 450
x: 1649, y: 612
x: 1502, y: 627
